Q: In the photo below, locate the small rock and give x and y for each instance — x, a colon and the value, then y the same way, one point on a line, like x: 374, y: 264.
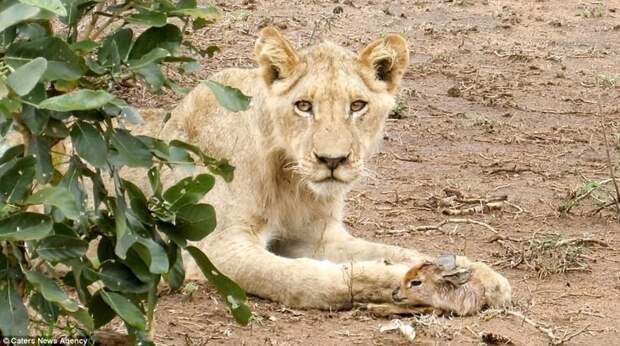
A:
x: 269, y: 21
x: 556, y: 23
x: 454, y: 92
x: 338, y: 10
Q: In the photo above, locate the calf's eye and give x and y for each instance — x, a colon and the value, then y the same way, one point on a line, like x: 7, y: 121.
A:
x: 415, y: 283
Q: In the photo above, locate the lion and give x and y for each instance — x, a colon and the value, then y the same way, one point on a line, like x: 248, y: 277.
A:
x: 315, y: 117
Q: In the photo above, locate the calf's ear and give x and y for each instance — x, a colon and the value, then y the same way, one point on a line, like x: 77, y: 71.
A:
x: 456, y: 277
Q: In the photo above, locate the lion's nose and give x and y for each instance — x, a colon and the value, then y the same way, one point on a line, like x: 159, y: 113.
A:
x: 331, y: 162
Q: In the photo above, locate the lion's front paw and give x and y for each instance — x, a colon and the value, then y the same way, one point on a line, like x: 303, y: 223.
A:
x: 498, y: 291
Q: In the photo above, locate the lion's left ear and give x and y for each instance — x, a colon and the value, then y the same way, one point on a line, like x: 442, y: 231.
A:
x: 275, y: 55
x: 389, y: 57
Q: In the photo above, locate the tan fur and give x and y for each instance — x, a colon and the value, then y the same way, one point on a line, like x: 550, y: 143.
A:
x: 461, y: 298
x: 280, y: 233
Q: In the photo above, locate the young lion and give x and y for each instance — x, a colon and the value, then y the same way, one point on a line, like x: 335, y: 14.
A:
x: 316, y: 116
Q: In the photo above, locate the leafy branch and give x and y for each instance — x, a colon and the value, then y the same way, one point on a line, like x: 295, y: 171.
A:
x: 56, y: 93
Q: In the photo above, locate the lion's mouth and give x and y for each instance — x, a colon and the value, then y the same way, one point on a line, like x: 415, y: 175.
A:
x: 331, y: 179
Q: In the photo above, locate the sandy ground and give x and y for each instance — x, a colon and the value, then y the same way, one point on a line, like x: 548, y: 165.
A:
x: 504, y: 99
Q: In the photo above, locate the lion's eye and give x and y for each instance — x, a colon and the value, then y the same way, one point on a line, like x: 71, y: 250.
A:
x: 415, y: 283
x: 303, y: 106
x: 358, y: 105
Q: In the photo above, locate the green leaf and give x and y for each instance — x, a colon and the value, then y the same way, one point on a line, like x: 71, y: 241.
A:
x: 62, y: 62
x: 186, y: 4
x: 125, y: 237
x: 101, y: 311
x: 56, y: 129
x: 115, y: 48
x: 40, y: 148
x: 82, y: 316
x: 137, y: 265
x: 89, y: 143
x: 198, y: 24
x: 16, y: 179
x: 170, y: 231
x: 230, y: 98
x: 176, y: 275
x: 32, y: 30
x: 210, y: 13
x: 35, y: 119
x: 76, y: 9
x: 73, y: 182
x: 193, y: 149
x: 13, y: 314
x: 79, y: 100
x: 85, y: 46
x: 58, y: 248
x: 153, y: 254
x: 25, y: 77
x: 138, y: 203
x: 118, y: 277
x: 54, y: 6
x: 48, y: 311
x: 50, y: 291
x: 168, y: 37
x: 180, y: 156
x: 38, y: 94
x: 8, y: 106
x: 158, y: 147
x: 189, y: 190
x: 153, y: 76
x: 11, y: 153
x: 177, y: 88
x: 151, y: 57
x: 95, y: 67
x: 15, y: 14
x: 195, y: 221
x: 191, y: 66
x: 149, y: 18
x: 58, y: 197
x: 25, y: 226
x: 105, y: 250
x: 130, y: 151
x: 155, y: 181
x: 223, y: 169
x: 233, y: 294
x: 125, y: 308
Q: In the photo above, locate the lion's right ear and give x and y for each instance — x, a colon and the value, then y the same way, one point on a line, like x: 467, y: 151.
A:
x: 275, y: 55
x: 388, y: 57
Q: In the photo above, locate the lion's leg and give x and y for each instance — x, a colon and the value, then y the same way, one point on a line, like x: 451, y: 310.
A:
x: 299, y: 282
x: 337, y: 245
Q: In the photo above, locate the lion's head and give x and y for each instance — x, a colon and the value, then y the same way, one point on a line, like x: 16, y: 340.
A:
x: 328, y: 105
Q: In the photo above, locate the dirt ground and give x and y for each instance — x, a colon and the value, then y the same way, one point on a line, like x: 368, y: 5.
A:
x: 503, y: 98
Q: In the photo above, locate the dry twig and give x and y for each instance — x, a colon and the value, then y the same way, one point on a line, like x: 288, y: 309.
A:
x: 610, y: 163
x: 438, y: 226
x: 547, y: 330
x: 546, y: 254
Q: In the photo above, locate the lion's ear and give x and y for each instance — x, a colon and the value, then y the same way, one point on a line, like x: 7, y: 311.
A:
x: 388, y: 57
x: 275, y: 55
